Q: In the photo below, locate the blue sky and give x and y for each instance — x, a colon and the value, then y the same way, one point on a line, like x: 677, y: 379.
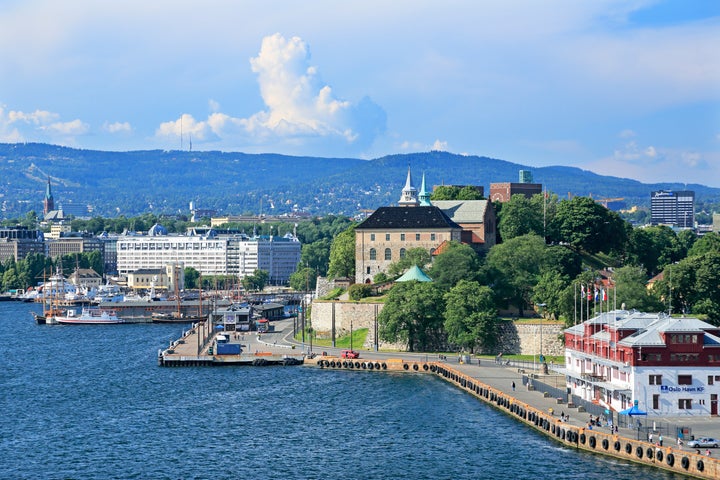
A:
x: 625, y: 88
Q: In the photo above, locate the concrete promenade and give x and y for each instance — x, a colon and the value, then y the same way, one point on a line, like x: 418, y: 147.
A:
x: 501, y: 378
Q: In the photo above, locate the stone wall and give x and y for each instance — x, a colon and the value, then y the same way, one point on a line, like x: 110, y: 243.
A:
x: 515, y: 338
x: 524, y: 338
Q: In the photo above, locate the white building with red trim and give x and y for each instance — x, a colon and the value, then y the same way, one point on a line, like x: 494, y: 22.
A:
x: 671, y: 366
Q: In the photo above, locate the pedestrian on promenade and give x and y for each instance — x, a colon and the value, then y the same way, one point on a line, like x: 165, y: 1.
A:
x: 680, y: 442
x: 513, y: 386
x: 660, y: 439
x: 707, y: 452
x: 650, y: 437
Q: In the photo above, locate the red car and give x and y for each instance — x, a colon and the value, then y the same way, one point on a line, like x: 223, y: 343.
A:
x: 349, y: 354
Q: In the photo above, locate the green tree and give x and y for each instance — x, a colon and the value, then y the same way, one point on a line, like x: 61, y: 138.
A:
x: 191, y: 278
x: 520, y: 216
x: 710, y: 242
x: 413, y: 314
x: 256, y: 281
x: 342, y: 254
x: 380, y: 277
x: 303, y: 279
x: 631, y: 289
x: 457, y: 262
x: 471, y: 316
x: 513, y: 269
x: 451, y: 192
x: 587, y: 225
x: 358, y: 291
x: 549, y: 291
x: 316, y: 255
x: 413, y: 256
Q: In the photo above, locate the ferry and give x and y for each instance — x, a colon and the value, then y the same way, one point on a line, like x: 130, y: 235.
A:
x: 89, y: 316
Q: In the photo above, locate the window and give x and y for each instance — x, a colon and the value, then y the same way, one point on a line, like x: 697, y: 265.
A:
x: 710, y: 379
x: 368, y: 270
x: 684, y: 379
x: 372, y: 237
x: 373, y: 254
x: 432, y: 237
x: 656, y: 401
x: 402, y: 253
x: 685, y: 404
x: 388, y: 255
x: 387, y: 237
x: 417, y: 237
x: 655, y: 380
x: 402, y: 237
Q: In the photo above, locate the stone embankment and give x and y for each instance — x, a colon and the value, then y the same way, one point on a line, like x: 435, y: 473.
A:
x: 539, y: 414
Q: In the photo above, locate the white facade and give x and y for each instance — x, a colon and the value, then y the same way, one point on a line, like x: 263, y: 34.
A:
x: 237, y: 255
x: 670, y: 366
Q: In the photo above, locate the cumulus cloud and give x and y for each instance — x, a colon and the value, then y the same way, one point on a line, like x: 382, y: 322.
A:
x: 300, y: 107
x: 40, y: 125
x: 117, y: 127
x: 439, y: 146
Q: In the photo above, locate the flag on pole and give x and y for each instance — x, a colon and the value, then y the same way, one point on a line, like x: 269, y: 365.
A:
x: 596, y: 293
x: 604, y: 294
x: 582, y: 291
x: 589, y: 292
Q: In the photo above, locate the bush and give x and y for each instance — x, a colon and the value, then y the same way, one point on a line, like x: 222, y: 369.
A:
x: 359, y: 291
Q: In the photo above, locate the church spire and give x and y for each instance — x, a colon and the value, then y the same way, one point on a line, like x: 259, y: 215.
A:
x: 48, y: 201
x: 424, y: 195
x: 408, y: 198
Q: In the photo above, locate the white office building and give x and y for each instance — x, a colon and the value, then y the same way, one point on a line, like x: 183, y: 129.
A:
x: 210, y: 253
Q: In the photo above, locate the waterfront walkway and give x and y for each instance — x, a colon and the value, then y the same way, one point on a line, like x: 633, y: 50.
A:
x: 502, y: 377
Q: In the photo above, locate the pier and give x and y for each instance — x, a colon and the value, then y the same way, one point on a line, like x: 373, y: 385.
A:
x: 204, y: 345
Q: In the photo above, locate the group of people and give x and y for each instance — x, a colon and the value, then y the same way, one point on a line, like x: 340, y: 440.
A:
x: 659, y: 441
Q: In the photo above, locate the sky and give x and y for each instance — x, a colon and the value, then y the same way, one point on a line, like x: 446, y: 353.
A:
x: 623, y: 88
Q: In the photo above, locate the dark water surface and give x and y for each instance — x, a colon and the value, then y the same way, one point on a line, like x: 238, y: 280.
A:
x: 90, y: 402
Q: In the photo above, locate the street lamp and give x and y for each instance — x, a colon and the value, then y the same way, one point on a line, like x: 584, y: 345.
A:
x: 542, y: 306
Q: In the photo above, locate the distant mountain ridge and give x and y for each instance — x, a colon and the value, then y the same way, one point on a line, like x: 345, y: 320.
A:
x: 157, y: 181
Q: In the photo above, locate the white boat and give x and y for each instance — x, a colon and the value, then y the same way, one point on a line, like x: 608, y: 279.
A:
x: 89, y: 316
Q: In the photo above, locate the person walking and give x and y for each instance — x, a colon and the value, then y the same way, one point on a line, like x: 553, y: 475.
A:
x: 660, y: 440
x: 513, y: 386
x: 650, y: 437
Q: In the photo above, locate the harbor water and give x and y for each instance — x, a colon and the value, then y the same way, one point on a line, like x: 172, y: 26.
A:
x: 90, y: 402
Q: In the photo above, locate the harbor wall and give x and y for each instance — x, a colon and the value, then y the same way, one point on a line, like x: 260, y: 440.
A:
x: 515, y: 338
x: 668, y: 458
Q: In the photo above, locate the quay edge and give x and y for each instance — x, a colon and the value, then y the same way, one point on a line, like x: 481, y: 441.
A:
x: 595, y: 441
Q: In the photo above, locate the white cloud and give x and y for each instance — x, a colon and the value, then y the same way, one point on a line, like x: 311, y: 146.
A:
x: 300, y: 107
x: 439, y: 146
x: 117, y: 127
x: 627, y: 133
x: 71, y: 128
x: 40, y: 125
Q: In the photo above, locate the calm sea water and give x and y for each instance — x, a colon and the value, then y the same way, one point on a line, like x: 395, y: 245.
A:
x: 90, y: 402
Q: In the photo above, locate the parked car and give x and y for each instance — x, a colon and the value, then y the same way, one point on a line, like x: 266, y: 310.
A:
x: 349, y: 354
x: 705, y: 442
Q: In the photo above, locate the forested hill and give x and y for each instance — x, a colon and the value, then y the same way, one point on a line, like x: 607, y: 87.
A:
x: 131, y: 183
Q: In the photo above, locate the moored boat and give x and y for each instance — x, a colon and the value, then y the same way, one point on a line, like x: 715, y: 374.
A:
x: 89, y: 316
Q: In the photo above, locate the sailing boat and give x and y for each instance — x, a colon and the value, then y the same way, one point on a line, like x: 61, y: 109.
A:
x: 177, y: 316
x: 51, y: 307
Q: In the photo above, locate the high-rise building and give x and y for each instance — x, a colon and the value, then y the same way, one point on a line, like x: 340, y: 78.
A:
x: 676, y: 209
